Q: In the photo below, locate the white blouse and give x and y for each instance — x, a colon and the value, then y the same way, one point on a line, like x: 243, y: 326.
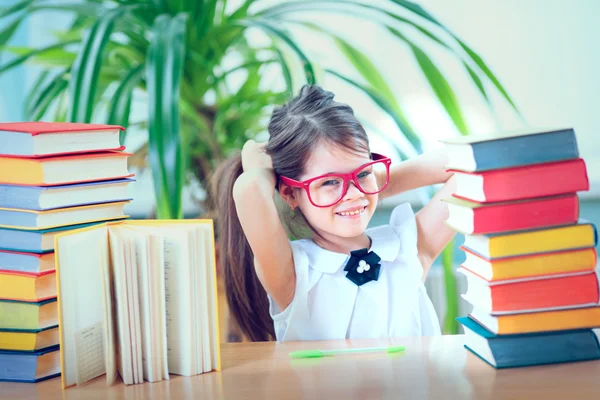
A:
x: 327, y: 305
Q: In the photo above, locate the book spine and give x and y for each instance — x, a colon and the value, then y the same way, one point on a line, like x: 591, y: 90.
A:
x: 20, y: 197
x: 548, y: 212
x: 526, y: 150
x: 538, y: 181
x: 17, y: 218
x: 545, y: 349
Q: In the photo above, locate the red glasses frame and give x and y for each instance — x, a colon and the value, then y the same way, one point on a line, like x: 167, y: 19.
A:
x: 351, y: 176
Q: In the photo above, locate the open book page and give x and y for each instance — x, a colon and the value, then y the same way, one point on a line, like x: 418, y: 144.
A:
x: 110, y: 343
x: 133, y: 304
x: 199, y: 298
x: 124, y: 350
x: 150, y: 276
x: 82, y: 256
x: 211, y: 350
x: 159, y: 313
x: 178, y: 301
x: 149, y: 345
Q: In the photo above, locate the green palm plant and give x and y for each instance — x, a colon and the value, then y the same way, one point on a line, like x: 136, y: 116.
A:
x: 176, y: 52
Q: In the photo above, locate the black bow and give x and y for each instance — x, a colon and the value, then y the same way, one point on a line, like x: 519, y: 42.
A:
x: 363, y: 266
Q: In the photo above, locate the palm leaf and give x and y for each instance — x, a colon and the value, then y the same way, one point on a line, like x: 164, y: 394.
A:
x: 475, y: 78
x: 472, y: 54
x: 30, y: 53
x: 120, y: 104
x: 86, y: 68
x: 7, y: 33
x: 439, y: 84
x: 442, y: 89
x: 34, y: 93
x: 486, y: 70
x: 55, y: 57
x: 15, y: 8
x: 46, y: 96
x: 381, y: 102
x: 164, y: 69
x: 285, y: 70
x: 306, y: 64
x: 413, y: 7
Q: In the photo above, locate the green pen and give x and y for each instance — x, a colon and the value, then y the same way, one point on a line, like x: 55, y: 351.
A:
x: 323, y: 353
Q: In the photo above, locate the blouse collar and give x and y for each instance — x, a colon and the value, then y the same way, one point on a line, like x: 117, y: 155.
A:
x: 384, y: 242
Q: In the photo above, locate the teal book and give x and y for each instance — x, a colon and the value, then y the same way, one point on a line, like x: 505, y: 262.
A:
x: 522, y: 350
x: 499, y: 150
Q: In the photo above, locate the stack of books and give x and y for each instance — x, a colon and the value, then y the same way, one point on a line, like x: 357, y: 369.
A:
x: 54, y: 177
x: 530, y: 260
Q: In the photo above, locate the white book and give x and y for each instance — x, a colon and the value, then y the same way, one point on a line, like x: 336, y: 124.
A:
x: 137, y: 301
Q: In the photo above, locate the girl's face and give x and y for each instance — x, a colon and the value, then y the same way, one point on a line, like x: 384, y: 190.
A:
x: 348, y: 217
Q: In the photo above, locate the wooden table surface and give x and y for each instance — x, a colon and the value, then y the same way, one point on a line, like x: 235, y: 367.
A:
x: 434, y: 368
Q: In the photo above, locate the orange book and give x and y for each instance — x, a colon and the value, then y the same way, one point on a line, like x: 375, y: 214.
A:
x: 544, y: 321
x: 49, y: 171
x: 531, y: 294
x: 531, y: 265
x: 24, y: 286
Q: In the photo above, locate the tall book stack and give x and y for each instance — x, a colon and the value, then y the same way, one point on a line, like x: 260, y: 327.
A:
x: 530, y: 260
x: 54, y: 178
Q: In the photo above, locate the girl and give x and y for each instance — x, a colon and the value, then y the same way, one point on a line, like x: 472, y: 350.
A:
x: 344, y: 281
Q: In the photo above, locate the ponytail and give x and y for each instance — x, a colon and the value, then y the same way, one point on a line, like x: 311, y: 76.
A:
x: 246, y: 298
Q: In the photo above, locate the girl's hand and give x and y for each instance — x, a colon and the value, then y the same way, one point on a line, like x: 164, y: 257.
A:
x: 254, y: 156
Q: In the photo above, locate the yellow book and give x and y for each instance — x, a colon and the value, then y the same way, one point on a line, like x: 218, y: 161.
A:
x: 28, y: 315
x: 25, y: 286
x: 567, y: 237
x: 137, y: 299
x: 541, y: 264
x: 555, y: 320
x: 28, y: 340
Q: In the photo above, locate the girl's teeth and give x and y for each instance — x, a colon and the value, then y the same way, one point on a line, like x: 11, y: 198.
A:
x: 356, y: 212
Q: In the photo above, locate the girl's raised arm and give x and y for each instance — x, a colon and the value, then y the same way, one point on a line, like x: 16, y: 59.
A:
x: 253, y: 195
x: 425, y: 170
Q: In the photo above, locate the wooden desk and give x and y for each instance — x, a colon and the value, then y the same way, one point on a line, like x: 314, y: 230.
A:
x: 431, y: 368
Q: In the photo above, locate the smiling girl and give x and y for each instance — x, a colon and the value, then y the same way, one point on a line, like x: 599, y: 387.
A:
x: 344, y: 281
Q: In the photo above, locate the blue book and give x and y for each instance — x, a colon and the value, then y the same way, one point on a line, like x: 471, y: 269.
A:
x: 28, y: 262
x: 37, y: 220
x: 477, y: 153
x: 35, y: 241
x: 41, y: 198
x: 521, y: 350
x: 26, y: 366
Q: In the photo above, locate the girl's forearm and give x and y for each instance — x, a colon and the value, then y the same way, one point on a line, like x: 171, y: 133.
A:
x: 424, y: 170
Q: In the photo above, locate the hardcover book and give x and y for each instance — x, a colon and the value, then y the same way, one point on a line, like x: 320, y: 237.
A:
x: 144, y: 306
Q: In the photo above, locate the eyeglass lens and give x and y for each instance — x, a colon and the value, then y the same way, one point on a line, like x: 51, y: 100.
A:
x: 329, y: 190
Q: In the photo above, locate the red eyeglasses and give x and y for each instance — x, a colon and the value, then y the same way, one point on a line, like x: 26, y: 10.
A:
x: 326, y: 190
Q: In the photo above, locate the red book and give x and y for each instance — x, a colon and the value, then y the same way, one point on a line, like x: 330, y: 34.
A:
x: 40, y: 139
x: 536, y: 294
x: 469, y: 217
x: 522, y: 182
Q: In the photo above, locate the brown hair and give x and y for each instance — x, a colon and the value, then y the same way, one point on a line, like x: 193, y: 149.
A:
x: 295, y: 128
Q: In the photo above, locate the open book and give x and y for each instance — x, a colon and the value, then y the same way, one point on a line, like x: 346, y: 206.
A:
x: 137, y: 298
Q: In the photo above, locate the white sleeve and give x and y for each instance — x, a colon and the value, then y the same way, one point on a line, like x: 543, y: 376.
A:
x: 403, y: 220
x: 281, y: 318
